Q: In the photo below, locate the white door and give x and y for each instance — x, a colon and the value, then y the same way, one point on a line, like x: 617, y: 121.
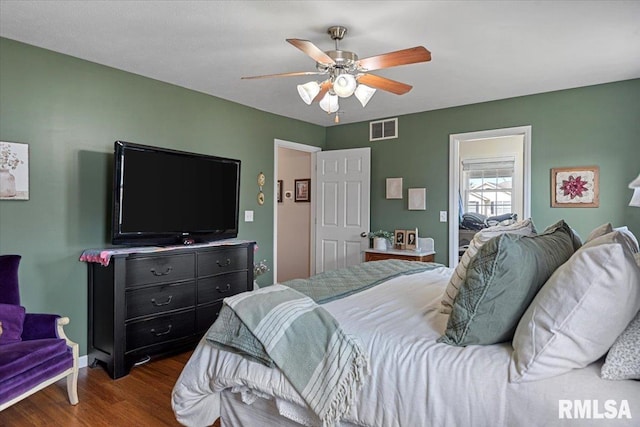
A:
x: 342, y: 186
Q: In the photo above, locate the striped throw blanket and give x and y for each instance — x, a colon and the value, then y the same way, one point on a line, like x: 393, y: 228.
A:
x: 280, y: 326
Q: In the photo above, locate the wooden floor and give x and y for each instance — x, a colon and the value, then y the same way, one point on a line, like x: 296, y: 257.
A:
x: 142, y: 398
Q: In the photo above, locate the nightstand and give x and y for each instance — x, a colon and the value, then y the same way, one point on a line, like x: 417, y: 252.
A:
x: 377, y: 255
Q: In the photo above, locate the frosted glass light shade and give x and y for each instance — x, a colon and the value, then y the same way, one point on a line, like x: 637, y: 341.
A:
x: 329, y: 103
x: 308, y: 91
x: 364, y: 94
x: 344, y: 85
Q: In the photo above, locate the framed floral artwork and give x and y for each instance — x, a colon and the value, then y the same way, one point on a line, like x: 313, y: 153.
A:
x: 575, y: 187
x: 14, y: 171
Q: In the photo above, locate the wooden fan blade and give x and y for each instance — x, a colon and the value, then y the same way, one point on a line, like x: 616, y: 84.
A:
x: 393, y: 59
x: 384, y: 83
x: 299, y: 73
x: 324, y: 88
x: 312, y: 50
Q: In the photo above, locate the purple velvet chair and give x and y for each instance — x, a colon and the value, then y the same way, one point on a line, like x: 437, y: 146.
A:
x: 34, y: 351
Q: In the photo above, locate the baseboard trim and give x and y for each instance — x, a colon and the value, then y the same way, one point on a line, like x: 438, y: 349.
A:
x: 83, y: 361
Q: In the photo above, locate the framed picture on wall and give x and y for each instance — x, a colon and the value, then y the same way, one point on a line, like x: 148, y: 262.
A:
x: 302, y: 190
x: 14, y: 171
x: 279, y: 191
x: 575, y: 187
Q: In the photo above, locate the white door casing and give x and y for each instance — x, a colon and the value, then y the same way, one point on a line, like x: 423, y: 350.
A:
x: 342, y: 193
x: 454, y: 177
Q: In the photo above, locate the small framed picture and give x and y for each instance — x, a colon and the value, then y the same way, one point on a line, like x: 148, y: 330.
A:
x: 279, y: 191
x: 303, y: 190
x: 575, y: 187
x: 399, y: 237
x: 394, y: 188
x: 417, y: 199
x: 411, y: 239
x: 14, y: 171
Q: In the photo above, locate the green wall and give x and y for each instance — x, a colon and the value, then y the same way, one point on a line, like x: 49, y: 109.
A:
x: 595, y: 125
x: 70, y: 112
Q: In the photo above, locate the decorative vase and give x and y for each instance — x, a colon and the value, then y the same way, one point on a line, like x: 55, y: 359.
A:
x: 7, y: 184
x: 380, y: 243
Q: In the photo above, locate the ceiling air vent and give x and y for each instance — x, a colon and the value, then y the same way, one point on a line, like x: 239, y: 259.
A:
x: 383, y: 129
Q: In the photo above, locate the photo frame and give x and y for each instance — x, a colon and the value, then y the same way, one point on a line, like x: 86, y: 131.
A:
x: 279, y: 191
x: 411, y: 240
x: 302, y: 190
x: 399, y: 239
x: 14, y: 171
x: 575, y: 187
x: 417, y: 199
x: 394, y: 188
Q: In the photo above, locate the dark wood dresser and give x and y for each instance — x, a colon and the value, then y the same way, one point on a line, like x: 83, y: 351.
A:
x: 149, y: 304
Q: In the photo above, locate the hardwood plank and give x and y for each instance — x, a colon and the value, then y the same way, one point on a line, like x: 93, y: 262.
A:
x: 142, y: 398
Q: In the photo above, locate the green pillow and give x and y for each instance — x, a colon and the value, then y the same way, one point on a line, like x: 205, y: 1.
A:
x: 502, y: 280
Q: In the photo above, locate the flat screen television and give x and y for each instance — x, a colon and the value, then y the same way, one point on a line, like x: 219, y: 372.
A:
x: 167, y: 197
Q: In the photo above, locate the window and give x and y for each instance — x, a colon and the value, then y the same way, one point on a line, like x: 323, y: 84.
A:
x: 488, y: 186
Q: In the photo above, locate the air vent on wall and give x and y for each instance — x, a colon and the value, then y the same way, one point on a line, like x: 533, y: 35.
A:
x: 383, y: 129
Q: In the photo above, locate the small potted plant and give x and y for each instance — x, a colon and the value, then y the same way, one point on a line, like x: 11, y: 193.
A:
x: 380, y: 239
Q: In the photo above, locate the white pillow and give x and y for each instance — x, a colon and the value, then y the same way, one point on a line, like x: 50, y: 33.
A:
x: 525, y: 228
x: 578, y: 314
x: 635, y: 247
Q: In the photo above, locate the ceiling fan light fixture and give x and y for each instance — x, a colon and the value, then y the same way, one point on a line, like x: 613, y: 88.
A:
x: 344, y: 85
x: 329, y: 103
x: 308, y: 91
x: 364, y: 93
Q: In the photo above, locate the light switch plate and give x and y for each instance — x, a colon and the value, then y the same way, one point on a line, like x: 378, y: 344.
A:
x: 248, y: 216
x: 443, y: 216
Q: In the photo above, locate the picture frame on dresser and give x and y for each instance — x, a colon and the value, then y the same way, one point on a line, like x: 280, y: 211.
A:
x: 399, y: 239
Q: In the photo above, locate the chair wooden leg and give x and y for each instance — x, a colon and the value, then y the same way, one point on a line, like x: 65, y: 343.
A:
x: 72, y: 378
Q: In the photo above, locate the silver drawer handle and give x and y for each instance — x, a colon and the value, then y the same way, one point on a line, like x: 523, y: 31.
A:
x: 226, y: 264
x: 227, y: 289
x: 160, y: 304
x: 159, y: 334
x: 161, y: 273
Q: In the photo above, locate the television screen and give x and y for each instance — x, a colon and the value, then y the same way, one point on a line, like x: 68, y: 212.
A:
x: 164, y: 196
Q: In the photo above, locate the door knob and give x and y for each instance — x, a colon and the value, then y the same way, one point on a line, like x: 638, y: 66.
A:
x: 364, y: 234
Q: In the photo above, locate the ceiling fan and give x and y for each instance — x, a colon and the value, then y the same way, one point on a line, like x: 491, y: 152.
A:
x: 346, y: 74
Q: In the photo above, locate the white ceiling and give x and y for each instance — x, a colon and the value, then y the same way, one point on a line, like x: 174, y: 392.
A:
x: 482, y: 50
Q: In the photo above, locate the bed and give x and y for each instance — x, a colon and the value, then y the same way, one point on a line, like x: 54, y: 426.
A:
x: 417, y: 377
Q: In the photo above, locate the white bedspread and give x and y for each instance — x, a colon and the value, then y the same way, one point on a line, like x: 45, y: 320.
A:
x: 414, y: 380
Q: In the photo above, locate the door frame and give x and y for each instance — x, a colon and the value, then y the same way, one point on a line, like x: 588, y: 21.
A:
x: 280, y: 143
x: 454, y: 177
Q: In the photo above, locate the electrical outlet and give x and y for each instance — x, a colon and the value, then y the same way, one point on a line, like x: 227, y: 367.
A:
x: 443, y: 216
x: 248, y: 216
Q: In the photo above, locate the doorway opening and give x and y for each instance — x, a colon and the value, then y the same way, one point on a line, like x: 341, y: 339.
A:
x: 489, y: 178
x: 293, y: 232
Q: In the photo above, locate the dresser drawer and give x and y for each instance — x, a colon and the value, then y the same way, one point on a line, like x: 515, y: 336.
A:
x: 222, y: 261
x: 160, y: 298
x: 158, y: 269
x: 206, y: 315
x: 160, y: 329
x: 222, y: 286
